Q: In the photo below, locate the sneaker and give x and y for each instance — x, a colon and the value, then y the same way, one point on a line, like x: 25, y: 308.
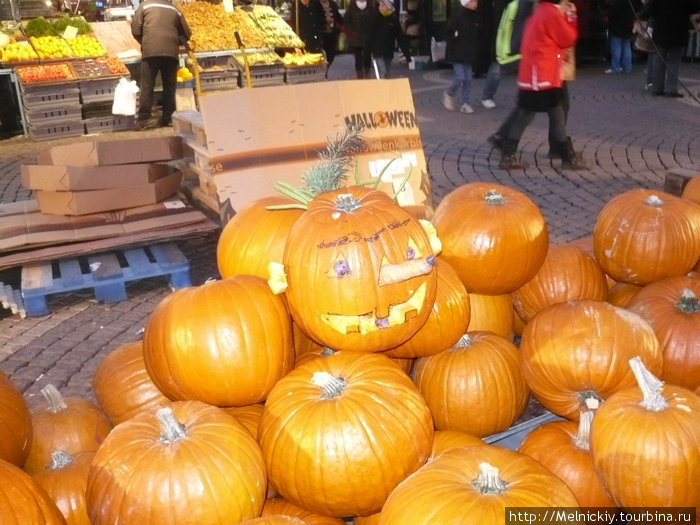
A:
x: 647, y: 86
x: 488, y: 103
x: 495, y: 140
x: 611, y: 71
x: 448, y: 102
x: 466, y: 108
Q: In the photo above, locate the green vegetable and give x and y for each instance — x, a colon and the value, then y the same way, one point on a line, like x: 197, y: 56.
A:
x: 78, y: 22
x: 39, y: 26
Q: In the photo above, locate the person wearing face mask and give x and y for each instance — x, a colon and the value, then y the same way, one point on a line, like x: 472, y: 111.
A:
x: 310, y: 24
x: 387, y: 34
x: 462, y: 50
x: 359, y: 21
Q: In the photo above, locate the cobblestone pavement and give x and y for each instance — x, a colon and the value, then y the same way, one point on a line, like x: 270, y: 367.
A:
x: 629, y: 138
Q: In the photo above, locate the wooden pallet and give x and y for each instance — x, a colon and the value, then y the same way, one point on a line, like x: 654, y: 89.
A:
x: 107, y: 273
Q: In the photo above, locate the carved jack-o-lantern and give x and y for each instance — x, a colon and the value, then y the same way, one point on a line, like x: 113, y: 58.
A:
x: 359, y: 271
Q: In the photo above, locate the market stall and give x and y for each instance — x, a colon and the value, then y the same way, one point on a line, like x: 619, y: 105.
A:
x: 63, y: 71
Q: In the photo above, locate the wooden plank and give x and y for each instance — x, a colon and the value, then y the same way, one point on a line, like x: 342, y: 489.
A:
x: 37, y: 277
x: 116, y: 37
x: 204, y: 225
x: 138, y: 261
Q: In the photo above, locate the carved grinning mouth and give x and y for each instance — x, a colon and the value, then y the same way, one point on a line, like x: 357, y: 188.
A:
x: 369, y: 322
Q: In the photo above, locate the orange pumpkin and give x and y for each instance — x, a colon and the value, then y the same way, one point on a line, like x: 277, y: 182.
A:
x: 445, y: 440
x: 22, y: 501
x: 225, y: 342
x: 642, y: 236
x: 70, y: 424
x: 645, y: 442
x: 122, y: 385
x: 578, y: 350
x: 691, y: 190
x: 248, y: 416
x: 275, y: 519
x: 492, y: 313
x: 448, y: 319
x: 620, y: 294
x: 65, y: 481
x: 568, y: 273
x: 360, y: 271
x: 671, y: 307
x: 282, y: 506
x: 494, y: 236
x: 365, y: 415
x: 476, y: 386
x: 187, y: 463
x: 475, y: 485
x: 254, y: 237
x: 564, y: 448
x: 15, y: 423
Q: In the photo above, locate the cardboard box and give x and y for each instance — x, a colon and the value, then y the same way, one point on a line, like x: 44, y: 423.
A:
x: 108, y: 152
x: 81, y: 178
x: 278, y: 131
x: 95, y: 201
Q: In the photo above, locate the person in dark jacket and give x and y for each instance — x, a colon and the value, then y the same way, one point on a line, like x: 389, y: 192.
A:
x: 310, y: 22
x: 462, y: 50
x: 160, y: 28
x: 359, y: 21
x: 332, y: 21
x: 621, y: 14
x: 387, y: 34
x: 671, y: 24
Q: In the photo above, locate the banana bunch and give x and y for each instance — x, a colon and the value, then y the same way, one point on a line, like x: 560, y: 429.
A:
x: 302, y: 59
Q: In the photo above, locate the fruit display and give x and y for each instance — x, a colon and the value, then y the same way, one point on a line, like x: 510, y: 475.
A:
x: 214, y: 29
x: 260, y: 58
x: 51, y: 47
x: 86, y: 46
x: 40, y: 26
x: 20, y: 51
x: 302, y: 59
x: 45, y: 73
x: 99, y: 67
x: 276, y: 32
x: 184, y: 74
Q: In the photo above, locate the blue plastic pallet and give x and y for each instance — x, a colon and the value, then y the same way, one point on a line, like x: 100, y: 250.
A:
x: 107, y: 273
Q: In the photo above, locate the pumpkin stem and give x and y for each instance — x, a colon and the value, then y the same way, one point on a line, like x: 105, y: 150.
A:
x: 653, y: 200
x: 331, y: 386
x: 650, y: 386
x: 54, y: 399
x: 60, y: 459
x: 589, y: 399
x: 583, y: 436
x: 346, y: 202
x: 464, y: 341
x: 171, y: 429
x: 494, y: 196
x: 688, y: 303
x: 487, y: 481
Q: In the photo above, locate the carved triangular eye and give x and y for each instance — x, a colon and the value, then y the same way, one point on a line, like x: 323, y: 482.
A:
x: 340, y: 267
x: 413, y: 252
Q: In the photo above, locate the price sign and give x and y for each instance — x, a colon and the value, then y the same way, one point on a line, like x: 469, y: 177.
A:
x: 70, y: 32
x: 228, y: 6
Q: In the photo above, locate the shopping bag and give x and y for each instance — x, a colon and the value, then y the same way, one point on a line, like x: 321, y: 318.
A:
x: 125, y: 98
x: 438, y: 50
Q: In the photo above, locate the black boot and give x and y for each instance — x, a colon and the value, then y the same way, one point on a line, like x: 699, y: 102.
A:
x: 554, y: 151
x: 570, y: 159
x: 495, y: 140
x: 509, y: 159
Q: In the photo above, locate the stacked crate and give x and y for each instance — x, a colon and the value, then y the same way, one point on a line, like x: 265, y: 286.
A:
x: 97, y: 88
x: 218, y: 73
x: 52, y: 110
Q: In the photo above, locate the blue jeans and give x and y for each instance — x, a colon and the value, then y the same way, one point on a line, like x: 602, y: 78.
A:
x: 621, y: 52
x: 493, y: 78
x: 462, y: 76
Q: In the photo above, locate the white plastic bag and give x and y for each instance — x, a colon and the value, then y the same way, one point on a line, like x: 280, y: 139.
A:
x: 125, y: 97
x: 438, y: 50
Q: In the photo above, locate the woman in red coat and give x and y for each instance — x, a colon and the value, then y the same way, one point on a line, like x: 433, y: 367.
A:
x: 549, y: 32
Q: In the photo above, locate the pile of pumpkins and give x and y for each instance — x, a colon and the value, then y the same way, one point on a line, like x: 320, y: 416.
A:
x: 350, y: 360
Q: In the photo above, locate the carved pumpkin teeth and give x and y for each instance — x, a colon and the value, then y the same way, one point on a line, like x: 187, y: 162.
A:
x: 398, y: 314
